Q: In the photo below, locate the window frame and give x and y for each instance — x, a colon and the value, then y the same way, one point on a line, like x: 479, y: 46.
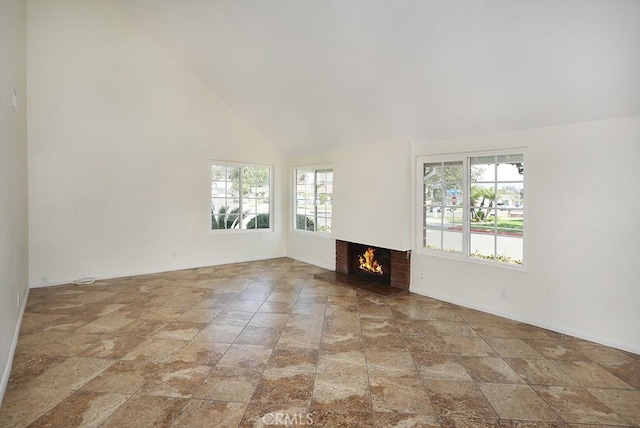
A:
x: 294, y: 195
x: 242, y: 165
x: 465, y: 158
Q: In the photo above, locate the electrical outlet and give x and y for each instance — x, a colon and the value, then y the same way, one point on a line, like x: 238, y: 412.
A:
x: 174, y: 254
x: 503, y: 293
x: 18, y: 294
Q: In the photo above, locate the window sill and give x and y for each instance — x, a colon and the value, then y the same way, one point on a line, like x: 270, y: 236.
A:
x: 238, y: 231
x: 462, y: 258
x: 324, y: 235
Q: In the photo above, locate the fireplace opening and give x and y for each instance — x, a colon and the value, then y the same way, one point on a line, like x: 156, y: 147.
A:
x: 370, y: 262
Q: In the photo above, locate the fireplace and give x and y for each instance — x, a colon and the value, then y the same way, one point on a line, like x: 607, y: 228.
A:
x: 389, y: 273
x: 367, y: 261
x: 398, y: 262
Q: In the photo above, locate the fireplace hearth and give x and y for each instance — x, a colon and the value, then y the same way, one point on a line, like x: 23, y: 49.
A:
x: 376, y: 270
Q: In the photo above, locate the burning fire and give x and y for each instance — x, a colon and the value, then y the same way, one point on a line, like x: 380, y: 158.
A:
x: 368, y: 263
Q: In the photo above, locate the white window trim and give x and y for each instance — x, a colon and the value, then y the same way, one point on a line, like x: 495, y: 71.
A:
x: 456, y: 157
x: 294, y: 195
x: 271, y: 197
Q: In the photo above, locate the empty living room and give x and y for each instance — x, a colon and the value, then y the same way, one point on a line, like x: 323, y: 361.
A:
x: 361, y: 213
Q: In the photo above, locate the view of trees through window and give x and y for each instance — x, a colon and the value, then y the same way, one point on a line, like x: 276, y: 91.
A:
x: 314, y: 194
x: 474, y: 206
x: 240, y: 196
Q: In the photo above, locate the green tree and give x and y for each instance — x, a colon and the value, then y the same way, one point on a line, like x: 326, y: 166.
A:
x: 254, y: 179
x: 490, y: 194
x: 476, y: 193
x: 261, y: 220
x: 226, y: 219
x: 485, y: 194
x: 304, y: 223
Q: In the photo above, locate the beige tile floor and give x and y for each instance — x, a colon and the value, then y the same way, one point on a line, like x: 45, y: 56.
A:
x: 265, y: 344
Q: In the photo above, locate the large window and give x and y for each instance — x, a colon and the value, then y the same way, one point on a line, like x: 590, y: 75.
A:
x: 313, y: 198
x: 473, y: 206
x: 240, y: 196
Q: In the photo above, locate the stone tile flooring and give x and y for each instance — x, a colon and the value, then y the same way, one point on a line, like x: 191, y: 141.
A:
x: 266, y: 344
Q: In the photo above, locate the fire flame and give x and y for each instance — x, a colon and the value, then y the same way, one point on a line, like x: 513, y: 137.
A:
x: 369, y: 263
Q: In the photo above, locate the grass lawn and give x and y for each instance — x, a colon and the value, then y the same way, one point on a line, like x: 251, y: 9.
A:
x: 505, y: 225
x: 510, y: 224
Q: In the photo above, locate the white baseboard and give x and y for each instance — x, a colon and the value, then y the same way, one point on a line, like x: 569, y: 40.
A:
x: 313, y: 262
x: 629, y: 347
x: 40, y: 284
x: 7, y: 369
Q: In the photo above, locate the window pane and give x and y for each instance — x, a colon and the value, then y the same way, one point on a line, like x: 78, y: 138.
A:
x: 510, y: 194
x: 510, y: 171
x: 454, y: 196
x: 218, y: 172
x: 218, y: 203
x: 249, y: 205
x: 482, y: 245
x: 249, y: 190
x: 433, y: 239
x: 510, y: 249
x: 233, y: 173
x: 262, y: 206
x: 309, y: 224
x: 510, y: 222
x: 451, y: 219
x: 433, y: 216
x: 321, y: 224
x: 443, y: 195
x: 452, y: 242
x: 304, y: 176
x: 453, y: 172
x: 226, y: 217
x: 257, y: 221
x: 263, y: 221
x: 482, y: 199
x: 483, y: 168
x: 233, y: 189
x: 433, y: 172
x: 218, y: 188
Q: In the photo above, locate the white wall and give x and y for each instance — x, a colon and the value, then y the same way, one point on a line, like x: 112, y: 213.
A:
x: 582, y: 246
x: 13, y: 180
x: 120, y: 138
x: 372, y: 195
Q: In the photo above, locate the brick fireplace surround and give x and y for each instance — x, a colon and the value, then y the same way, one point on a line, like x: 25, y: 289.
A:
x: 400, y: 272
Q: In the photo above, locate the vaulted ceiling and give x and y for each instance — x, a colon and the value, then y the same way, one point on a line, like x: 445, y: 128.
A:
x: 320, y: 73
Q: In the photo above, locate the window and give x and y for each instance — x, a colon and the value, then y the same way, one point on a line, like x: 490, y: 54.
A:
x: 313, y: 198
x: 472, y: 206
x: 240, y: 196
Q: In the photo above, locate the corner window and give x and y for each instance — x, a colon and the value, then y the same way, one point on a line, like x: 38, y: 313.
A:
x: 313, y: 198
x: 472, y: 206
x: 240, y: 196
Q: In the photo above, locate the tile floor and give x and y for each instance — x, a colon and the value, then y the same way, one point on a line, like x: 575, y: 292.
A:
x: 266, y: 344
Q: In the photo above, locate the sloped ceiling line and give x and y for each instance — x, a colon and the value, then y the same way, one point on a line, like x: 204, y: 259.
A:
x: 309, y: 74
